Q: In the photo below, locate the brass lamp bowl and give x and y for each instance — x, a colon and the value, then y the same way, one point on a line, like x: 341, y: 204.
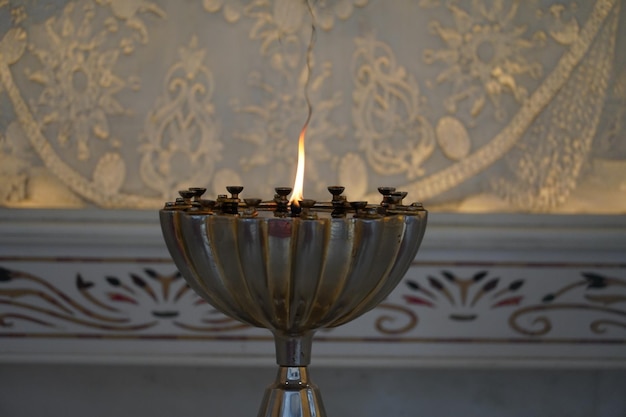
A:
x: 292, y: 276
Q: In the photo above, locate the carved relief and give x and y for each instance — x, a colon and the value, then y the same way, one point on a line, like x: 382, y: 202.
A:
x: 129, y: 11
x: 546, y: 165
x: 285, y: 15
x: 78, y: 79
x: 485, y: 55
x: 387, y: 114
x: 78, y: 97
x: 327, y: 10
x: 232, y: 9
x: 15, y: 163
x: 563, y: 29
x: 600, y: 21
x: 453, y: 138
x: 83, y: 80
x: 278, y: 119
x: 181, y: 138
x: 352, y: 172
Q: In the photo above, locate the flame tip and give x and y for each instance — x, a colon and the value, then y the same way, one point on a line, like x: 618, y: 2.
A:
x: 298, y: 186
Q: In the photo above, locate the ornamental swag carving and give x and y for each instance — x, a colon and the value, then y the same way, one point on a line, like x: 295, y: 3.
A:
x: 468, y: 105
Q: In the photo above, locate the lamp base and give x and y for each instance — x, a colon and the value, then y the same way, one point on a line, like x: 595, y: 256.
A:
x: 292, y: 395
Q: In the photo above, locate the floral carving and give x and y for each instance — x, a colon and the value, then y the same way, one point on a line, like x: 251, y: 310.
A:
x: 232, y: 9
x: 109, y: 173
x: 16, y: 160
x: 387, y: 113
x: 83, y: 79
x: 283, y: 27
x: 560, y: 90
x: 128, y: 12
x: 545, y: 167
x: 78, y: 79
x: 279, y: 117
x: 13, y: 45
x: 564, y: 29
x: 268, y: 12
x: 327, y: 10
x: 180, y: 145
x: 485, y: 55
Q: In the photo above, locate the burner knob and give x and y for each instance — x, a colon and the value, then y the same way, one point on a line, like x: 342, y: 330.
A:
x: 234, y: 191
x: 197, y: 192
x: 283, y: 191
x: 336, y: 191
x: 281, y: 201
x: 186, y: 195
x: 386, y: 190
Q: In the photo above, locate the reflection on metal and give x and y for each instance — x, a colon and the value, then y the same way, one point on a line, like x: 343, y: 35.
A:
x: 292, y: 273
x: 292, y: 394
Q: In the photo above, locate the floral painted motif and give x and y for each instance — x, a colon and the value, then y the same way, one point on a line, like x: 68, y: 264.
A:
x: 597, y: 299
x: 602, y: 297
x: 462, y: 295
x: 140, y: 301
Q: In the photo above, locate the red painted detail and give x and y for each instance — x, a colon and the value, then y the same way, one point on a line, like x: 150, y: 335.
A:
x: 511, y: 301
x: 116, y: 296
x: 411, y: 299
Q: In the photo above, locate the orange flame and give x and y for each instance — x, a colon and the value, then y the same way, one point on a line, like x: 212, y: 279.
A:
x: 298, y: 185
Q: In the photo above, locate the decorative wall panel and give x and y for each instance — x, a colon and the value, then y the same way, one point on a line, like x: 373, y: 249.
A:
x: 507, y: 105
x: 483, y: 290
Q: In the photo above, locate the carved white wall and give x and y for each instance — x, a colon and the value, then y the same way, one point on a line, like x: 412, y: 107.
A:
x: 470, y: 106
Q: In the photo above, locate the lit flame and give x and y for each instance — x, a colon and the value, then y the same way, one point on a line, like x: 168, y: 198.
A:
x: 298, y: 185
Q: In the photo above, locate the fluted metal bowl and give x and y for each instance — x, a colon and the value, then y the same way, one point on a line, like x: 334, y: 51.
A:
x: 292, y: 275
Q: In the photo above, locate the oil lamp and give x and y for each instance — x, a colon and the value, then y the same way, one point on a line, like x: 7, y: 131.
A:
x: 292, y: 266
